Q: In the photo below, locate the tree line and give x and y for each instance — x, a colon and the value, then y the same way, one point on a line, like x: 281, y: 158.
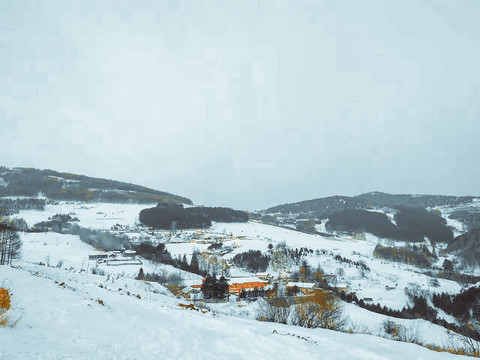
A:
x: 252, y: 260
x: 9, y: 206
x: 10, y: 243
x: 413, y: 255
x: 419, y: 309
x: 465, y: 305
x: 214, y: 288
x: 412, y: 224
x: 167, y: 215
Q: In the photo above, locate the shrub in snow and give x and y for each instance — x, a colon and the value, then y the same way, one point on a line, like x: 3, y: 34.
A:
x: 97, y: 271
x: 4, y: 305
x: 277, y: 309
x: 320, y: 309
x: 4, y: 299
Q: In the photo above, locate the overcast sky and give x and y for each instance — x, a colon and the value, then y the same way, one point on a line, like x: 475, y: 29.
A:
x: 247, y: 104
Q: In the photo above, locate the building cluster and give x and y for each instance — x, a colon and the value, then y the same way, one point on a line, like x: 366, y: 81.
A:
x: 258, y: 282
x: 111, y: 258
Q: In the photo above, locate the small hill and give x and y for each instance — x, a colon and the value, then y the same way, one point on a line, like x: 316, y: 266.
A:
x: 375, y: 199
x: 406, y: 200
x: 395, y: 216
x: 467, y: 246
x: 322, y: 205
x: 54, y: 185
x: 162, y: 216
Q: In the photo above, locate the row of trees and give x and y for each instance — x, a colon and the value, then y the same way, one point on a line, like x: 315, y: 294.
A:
x: 100, y: 239
x: 163, y: 277
x: 200, y: 263
x: 166, y: 216
x: 56, y: 223
x: 252, y: 260
x: 413, y: 255
x: 465, y: 305
x: 419, y: 309
x: 10, y: 243
x: 10, y: 206
x: 253, y: 294
x: 321, y: 309
x: 412, y: 224
x: 214, y: 288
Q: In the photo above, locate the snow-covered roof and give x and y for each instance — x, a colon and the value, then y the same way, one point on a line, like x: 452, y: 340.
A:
x: 242, y: 280
x: 262, y: 274
x: 301, y: 285
x: 192, y: 282
x: 187, y: 289
x: 98, y: 255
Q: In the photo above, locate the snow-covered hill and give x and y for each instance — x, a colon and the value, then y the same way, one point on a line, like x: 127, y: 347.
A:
x: 65, y: 311
x: 67, y: 315
x: 54, y: 185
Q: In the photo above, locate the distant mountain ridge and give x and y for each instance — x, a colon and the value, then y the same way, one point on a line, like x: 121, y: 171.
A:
x: 322, y: 205
x: 403, y: 217
x: 406, y: 200
x: 333, y: 204
x: 54, y: 185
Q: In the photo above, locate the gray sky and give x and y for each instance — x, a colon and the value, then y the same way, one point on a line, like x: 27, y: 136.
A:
x: 247, y: 104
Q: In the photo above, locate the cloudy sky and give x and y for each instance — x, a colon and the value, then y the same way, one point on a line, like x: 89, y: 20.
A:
x: 246, y: 104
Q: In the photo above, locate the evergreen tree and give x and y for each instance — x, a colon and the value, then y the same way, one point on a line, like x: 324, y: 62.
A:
x: 141, y: 274
x: 194, y: 265
x: 447, y: 266
x: 222, y: 288
x: 208, y: 288
x: 243, y: 294
x: 305, y: 271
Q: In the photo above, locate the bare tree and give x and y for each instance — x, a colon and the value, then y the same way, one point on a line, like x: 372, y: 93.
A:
x: 277, y: 309
x: 10, y: 244
x: 320, y: 309
x: 468, y: 337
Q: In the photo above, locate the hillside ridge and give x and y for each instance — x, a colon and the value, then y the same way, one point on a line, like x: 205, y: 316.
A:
x: 340, y: 202
x: 54, y: 185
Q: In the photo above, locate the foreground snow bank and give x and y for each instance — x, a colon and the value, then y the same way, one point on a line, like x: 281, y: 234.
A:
x: 67, y: 321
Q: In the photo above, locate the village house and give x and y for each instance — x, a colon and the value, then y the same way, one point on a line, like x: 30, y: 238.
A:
x: 129, y: 253
x: 98, y: 255
x: 235, y: 285
x: 304, y: 288
x: 191, y: 292
x: 341, y: 287
x: 263, y: 276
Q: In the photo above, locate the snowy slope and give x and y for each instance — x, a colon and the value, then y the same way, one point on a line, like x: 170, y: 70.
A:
x: 68, y: 323
x: 96, y: 215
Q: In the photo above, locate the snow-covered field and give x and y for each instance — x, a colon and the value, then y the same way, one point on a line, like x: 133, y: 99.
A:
x: 66, y: 312
x: 68, y: 322
x: 98, y: 216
